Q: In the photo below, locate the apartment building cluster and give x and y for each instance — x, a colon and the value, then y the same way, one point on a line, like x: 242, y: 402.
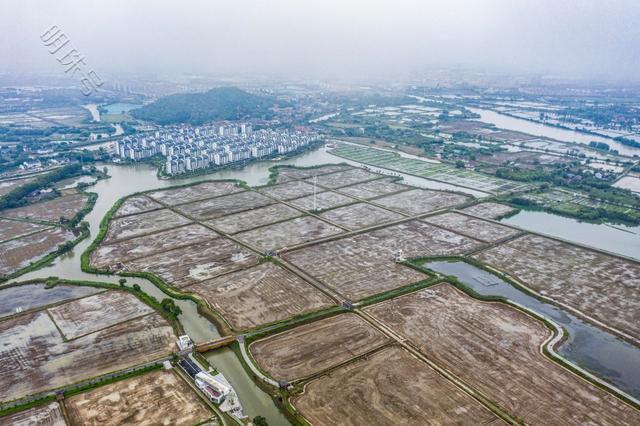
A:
x: 188, y: 148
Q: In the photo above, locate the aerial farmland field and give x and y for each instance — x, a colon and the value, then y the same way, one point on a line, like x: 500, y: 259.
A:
x: 260, y: 295
x: 21, y: 252
x: 364, y: 265
x: 43, y: 415
x: 360, y: 215
x: 386, y: 386
x: 496, y: 349
x: 474, y: 228
x: 289, y: 233
x: 34, y: 356
x: 159, y: 397
x: 314, y: 347
x: 601, y: 286
x: 254, y: 218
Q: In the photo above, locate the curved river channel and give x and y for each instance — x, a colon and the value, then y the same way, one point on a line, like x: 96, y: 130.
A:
x: 128, y: 179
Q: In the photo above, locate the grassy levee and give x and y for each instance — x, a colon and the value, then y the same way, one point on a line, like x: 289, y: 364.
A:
x: 555, y: 329
x: 30, y: 404
x: 113, y: 379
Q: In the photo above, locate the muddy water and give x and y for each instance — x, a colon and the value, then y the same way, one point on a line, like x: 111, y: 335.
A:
x: 225, y: 360
x: 597, y: 351
x: 619, y: 239
x: 538, y: 129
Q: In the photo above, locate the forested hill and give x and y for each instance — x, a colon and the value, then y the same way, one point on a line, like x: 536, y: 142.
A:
x: 222, y: 103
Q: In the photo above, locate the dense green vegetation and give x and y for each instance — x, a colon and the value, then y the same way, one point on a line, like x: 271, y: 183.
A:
x: 18, y: 196
x: 223, y: 103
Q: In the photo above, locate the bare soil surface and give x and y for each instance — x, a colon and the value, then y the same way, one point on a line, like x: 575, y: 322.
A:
x: 496, y: 349
x: 254, y: 218
x: 344, y: 178
x: 289, y: 233
x: 137, y: 204
x: 143, y: 223
x: 50, y: 211
x: 288, y: 173
x: 196, y: 192
x: 323, y: 201
x: 146, y: 245
x: 19, y: 253
x: 43, y: 415
x: 489, y: 210
x: 364, y: 265
x: 221, y: 206
x: 288, y: 190
x: 376, y: 188
x: 192, y: 264
x: 417, y: 201
x: 474, y: 228
x: 90, y: 314
x: 34, y: 357
x: 10, y: 229
x: 604, y: 287
x: 314, y: 347
x: 260, y: 295
x: 156, y: 398
x: 390, y: 387
x: 360, y: 215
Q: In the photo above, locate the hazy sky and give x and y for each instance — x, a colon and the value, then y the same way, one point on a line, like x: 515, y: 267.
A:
x: 328, y: 39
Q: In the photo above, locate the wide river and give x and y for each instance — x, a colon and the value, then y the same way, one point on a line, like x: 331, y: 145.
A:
x: 128, y: 179
x: 507, y: 122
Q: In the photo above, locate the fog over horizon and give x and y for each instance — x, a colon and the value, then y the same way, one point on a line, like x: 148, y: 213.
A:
x: 330, y: 39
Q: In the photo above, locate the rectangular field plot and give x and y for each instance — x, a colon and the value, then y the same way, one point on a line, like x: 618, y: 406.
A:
x: 221, y: 206
x: 287, y: 173
x: 603, y: 287
x: 489, y: 210
x: 111, y: 254
x: 254, y: 218
x: 137, y: 204
x: 189, y: 265
x: 430, y: 170
x: 289, y: 233
x: 260, y: 295
x: 312, y: 348
x: 35, y: 358
x: 360, y: 215
x: 347, y: 177
x: 10, y: 229
x: 155, y: 398
x: 287, y: 190
x: 93, y: 313
x: 144, y: 223
x: 50, y: 211
x: 496, y: 349
x: 417, y: 201
x: 31, y: 296
x: 19, y: 253
x: 376, y: 188
x: 196, y: 192
x: 474, y: 228
x: 364, y: 265
x: 323, y: 201
x: 384, y: 388
x: 43, y: 415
